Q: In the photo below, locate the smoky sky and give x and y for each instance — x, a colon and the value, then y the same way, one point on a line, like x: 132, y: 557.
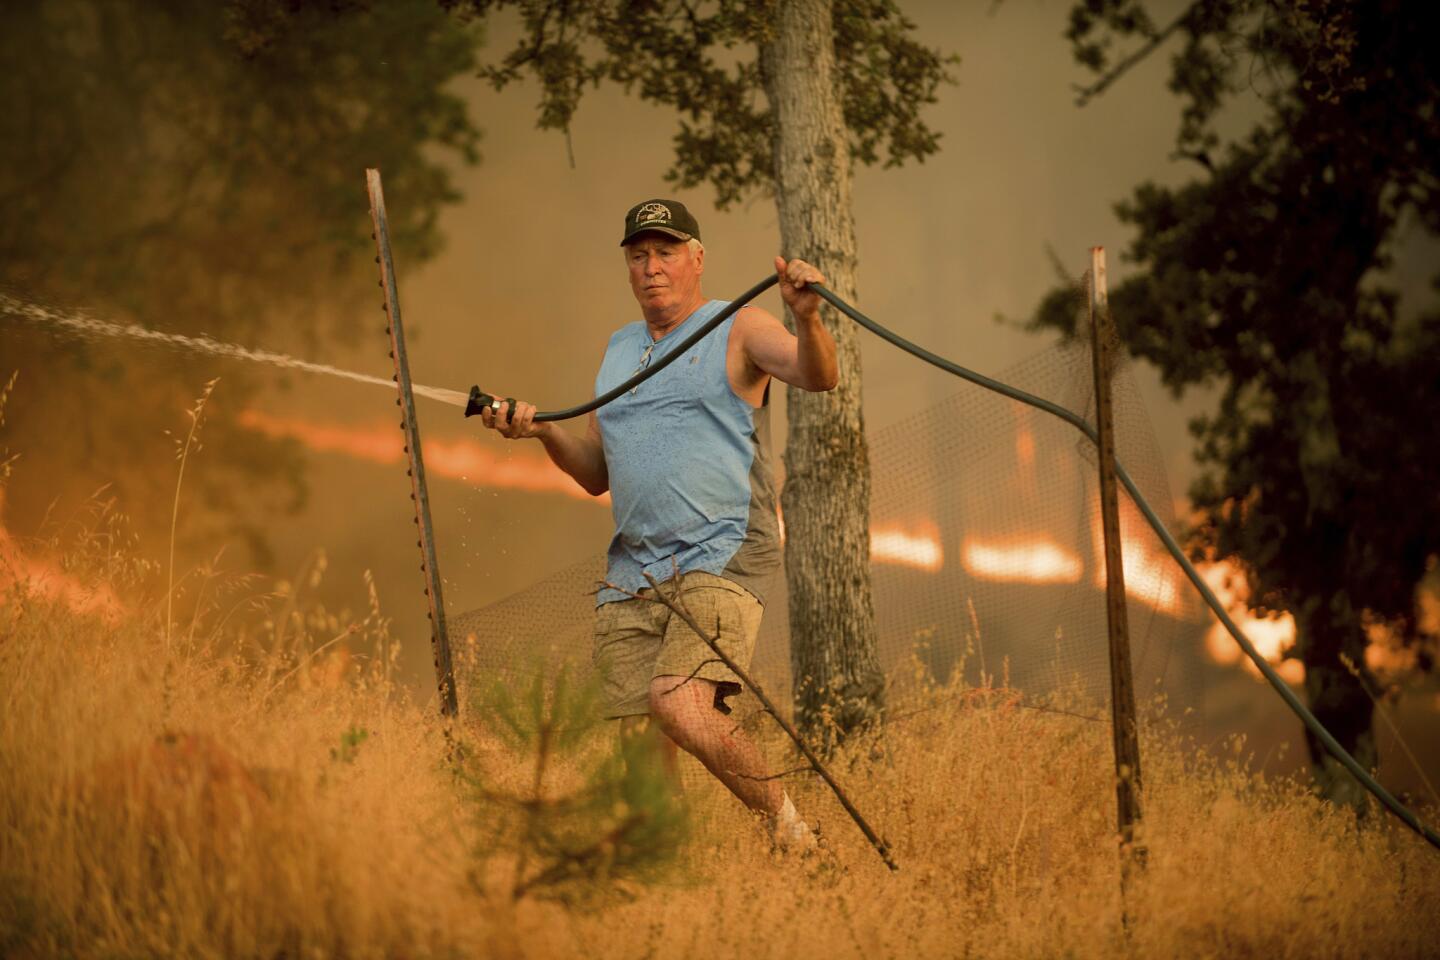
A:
x: 531, y: 283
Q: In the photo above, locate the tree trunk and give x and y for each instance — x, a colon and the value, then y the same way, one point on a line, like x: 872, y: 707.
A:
x: 826, y: 497
x: 1337, y: 696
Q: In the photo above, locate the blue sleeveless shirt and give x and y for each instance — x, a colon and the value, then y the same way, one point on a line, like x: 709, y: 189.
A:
x: 691, y: 485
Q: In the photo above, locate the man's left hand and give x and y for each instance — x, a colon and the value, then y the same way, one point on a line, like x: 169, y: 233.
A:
x: 795, y: 278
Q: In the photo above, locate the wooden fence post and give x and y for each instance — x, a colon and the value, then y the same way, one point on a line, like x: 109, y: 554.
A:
x: 1122, y: 686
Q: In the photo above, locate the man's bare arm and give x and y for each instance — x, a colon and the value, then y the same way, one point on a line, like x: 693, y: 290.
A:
x: 805, y: 359
x: 582, y: 457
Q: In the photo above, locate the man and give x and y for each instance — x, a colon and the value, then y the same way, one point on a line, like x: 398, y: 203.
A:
x: 685, y: 456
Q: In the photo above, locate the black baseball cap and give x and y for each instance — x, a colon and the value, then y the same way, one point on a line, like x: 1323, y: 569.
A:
x: 662, y: 216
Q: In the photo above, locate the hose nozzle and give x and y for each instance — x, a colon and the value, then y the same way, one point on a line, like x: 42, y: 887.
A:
x: 478, y: 401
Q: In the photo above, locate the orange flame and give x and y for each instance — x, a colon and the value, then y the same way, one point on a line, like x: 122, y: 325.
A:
x: 1025, y: 448
x: 44, y: 578
x: 1026, y: 483
x: 1271, y: 636
x: 1151, y: 574
x: 917, y: 546
x: 1024, y: 559
x: 1036, y: 558
x: 458, y: 459
x: 1385, y: 652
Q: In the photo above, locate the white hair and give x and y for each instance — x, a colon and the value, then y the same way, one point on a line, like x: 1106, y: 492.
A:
x: 696, y: 247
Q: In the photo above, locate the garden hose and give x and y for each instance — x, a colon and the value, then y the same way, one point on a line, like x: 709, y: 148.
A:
x: 478, y: 401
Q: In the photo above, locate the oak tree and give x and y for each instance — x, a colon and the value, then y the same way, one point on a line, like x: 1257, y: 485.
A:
x: 199, y: 168
x: 780, y: 97
x: 1268, y: 277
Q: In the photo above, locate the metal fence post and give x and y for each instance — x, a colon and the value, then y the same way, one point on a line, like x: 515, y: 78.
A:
x: 439, y: 635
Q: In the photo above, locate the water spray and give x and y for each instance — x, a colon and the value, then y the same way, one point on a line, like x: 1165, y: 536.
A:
x: 89, y: 328
x: 86, y: 328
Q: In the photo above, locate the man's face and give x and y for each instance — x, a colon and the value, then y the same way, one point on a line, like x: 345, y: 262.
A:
x: 664, y: 274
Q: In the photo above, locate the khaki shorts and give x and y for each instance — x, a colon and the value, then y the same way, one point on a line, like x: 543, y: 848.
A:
x: 639, y: 640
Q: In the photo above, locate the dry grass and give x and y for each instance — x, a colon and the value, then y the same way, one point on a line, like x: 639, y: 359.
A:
x: 208, y: 804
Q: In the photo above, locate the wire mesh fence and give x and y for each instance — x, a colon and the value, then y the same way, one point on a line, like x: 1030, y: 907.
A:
x: 987, y: 571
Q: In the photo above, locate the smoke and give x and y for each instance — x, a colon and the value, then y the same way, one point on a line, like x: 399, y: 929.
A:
x: 455, y: 459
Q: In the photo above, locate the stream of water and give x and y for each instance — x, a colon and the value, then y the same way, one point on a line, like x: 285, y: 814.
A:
x: 83, y: 327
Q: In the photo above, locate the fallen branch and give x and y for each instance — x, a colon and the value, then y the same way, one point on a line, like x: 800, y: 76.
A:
x: 774, y: 776
x: 677, y: 606
x: 694, y: 673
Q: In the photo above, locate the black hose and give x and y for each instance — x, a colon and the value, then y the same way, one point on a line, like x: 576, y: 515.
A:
x: 1281, y: 687
x: 480, y: 400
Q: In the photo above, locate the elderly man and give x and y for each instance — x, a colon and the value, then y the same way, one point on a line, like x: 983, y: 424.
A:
x: 685, y: 456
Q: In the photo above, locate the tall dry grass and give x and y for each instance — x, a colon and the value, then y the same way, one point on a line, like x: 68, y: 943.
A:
x: 268, y: 790
x: 215, y: 804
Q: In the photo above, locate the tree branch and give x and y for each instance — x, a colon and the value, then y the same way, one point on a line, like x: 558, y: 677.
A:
x: 1087, y: 93
x: 579, y: 859
x: 693, y: 674
x: 677, y: 606
x: 774, y: 776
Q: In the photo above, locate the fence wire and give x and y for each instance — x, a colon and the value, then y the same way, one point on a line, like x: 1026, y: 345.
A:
x: 986, y: 562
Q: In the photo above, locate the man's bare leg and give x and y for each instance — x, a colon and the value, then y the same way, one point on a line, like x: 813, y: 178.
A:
x: 685, y: 711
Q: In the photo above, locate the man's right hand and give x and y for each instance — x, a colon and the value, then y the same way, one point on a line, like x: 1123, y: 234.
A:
x: 516, y: 424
